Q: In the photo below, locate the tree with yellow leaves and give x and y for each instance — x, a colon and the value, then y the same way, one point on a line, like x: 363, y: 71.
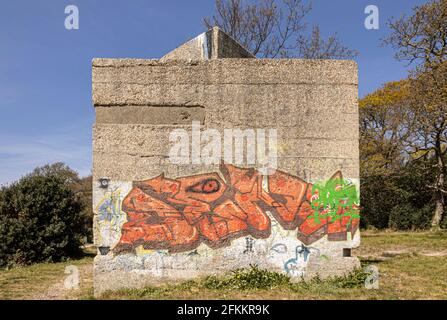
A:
x: 428, y: 105
x: 408, y: 119
x: 383, y: 127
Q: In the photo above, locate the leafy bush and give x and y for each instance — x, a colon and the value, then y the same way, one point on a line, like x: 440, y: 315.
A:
x: 402, y: 200
x: 251, y: 279
x: 255, y: 278
x: 378, y: 196
x: 444, y: 221
x: 355, y: 279
x: 245, y: 279
x: 82, y: 187
x: 40, y: 220
x: 407, y: 217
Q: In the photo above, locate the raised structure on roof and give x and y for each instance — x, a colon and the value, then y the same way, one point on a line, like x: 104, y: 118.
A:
x: 213, y: 44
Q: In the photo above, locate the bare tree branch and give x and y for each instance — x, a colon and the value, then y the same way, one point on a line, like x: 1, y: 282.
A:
x: 275, y: 28
x: 316, y: 47
x: 422, y: 36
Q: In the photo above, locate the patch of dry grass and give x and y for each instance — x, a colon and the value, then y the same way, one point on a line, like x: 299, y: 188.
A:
x: 46, y: 281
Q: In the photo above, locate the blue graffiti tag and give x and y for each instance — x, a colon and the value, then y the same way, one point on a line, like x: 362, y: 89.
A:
x: 301, y: 252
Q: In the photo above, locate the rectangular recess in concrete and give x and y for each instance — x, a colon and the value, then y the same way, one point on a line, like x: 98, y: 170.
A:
x: 150, y: 114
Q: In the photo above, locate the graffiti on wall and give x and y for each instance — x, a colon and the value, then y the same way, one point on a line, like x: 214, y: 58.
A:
x: 302, y: 253
x: 180, y: 214
x: 109, y: 219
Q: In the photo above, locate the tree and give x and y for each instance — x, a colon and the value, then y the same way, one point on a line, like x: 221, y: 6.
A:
x: 82, y: 188
x: 429, y: 106
x: 40, y: 220
x: 84, y: 192
x: 421, y: 39
x: 404, y: 122
x: 382, y: 154
x: 59, y: 169
x: 275, y: 28
x: 315, y: 47
x: 399, y: 199
x: 384, y: 124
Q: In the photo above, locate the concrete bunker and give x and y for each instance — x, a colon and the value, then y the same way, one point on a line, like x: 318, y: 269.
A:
x: 157, y: 221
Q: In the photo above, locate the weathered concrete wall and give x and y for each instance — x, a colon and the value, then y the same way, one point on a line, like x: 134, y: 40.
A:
x: 199, y: 219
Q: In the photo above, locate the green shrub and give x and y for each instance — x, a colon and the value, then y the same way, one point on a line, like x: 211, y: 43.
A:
x: 40, y: 220
x: 355, y: 279
x: 407, y: 217
x: 245, y: 279
x: 401, y: 200
x: 378, y: 194
x: 254, y: 278
x: 444, y: 221
x: 82, y: 187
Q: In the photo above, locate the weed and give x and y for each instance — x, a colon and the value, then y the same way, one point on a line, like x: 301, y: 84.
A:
x: 247, y: 279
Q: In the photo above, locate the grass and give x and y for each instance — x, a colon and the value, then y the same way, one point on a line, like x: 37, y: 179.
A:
x: 410, y: 277
x: 417, y: 242
x: 46, y: 281
x: 251, y: 283
x: 417, y: 274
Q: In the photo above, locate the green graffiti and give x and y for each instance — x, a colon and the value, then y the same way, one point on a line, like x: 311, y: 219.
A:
x: 337, y: 198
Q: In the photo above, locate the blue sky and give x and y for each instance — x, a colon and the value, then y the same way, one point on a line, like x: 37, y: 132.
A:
x: 46, y: 112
